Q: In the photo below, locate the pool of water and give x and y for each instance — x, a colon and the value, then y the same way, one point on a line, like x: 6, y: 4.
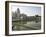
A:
x: 26, y: 25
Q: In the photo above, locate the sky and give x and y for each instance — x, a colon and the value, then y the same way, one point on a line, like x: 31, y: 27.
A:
x: 28, y: 10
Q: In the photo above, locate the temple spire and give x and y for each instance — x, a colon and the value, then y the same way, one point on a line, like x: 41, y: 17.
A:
x: 18, y: 10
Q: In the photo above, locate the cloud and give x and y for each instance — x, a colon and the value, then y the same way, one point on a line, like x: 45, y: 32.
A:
x: 28, y: 10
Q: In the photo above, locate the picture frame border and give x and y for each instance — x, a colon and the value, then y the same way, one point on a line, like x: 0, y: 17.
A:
x: 7, y: 17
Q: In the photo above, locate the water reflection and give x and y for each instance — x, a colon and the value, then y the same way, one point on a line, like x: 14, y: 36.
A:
x: 26, y: 25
